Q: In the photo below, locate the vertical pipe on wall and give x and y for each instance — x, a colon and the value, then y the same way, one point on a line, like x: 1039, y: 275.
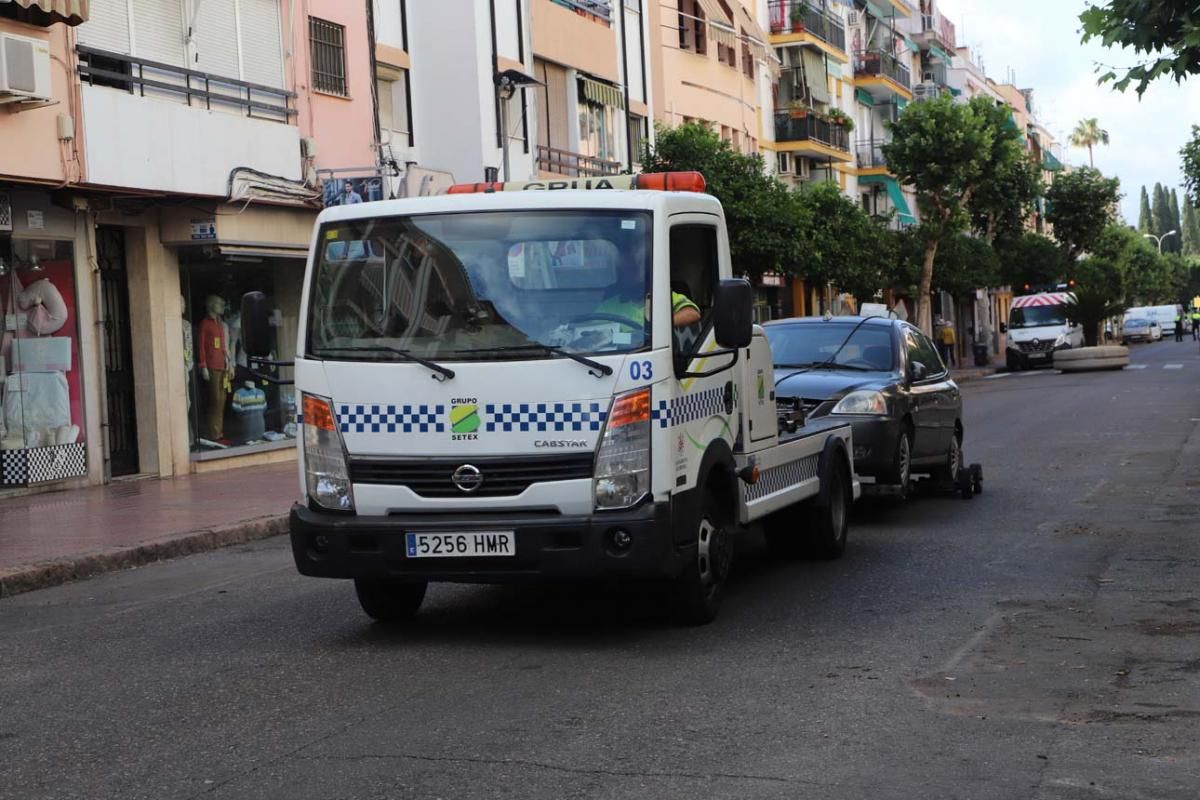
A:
x: 89, y: 235
x: 620, y: 9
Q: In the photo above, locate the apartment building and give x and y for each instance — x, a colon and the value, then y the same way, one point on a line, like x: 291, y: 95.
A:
x: 167, y: 160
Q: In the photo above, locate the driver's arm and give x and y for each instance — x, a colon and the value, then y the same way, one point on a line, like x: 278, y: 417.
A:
x: 683, y: 311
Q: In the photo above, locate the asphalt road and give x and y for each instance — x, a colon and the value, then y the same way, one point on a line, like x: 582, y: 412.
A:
x: 1040, y: 641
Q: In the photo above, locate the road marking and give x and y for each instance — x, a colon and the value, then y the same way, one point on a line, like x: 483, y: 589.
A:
x: 1172, y: 366
x: 1136, y: 366
x: 997, y: 376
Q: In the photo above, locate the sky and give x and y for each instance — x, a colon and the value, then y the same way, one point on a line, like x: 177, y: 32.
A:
x: 1039, y: 41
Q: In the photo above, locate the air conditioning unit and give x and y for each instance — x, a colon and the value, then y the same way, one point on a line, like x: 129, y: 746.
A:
x: 784, y: 163
x: 24, y: 69
x: 851, y: 19
x: 925, y: 91
x: 803, y: 168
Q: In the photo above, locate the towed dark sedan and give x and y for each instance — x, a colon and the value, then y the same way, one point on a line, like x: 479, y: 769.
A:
x: 886, y: 379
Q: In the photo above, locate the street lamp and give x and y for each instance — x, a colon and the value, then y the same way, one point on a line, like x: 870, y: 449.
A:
x: 508, y: 82
x: 1159, y: 239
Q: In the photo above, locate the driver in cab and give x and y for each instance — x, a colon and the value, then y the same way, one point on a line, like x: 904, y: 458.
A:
x: 627, y: 299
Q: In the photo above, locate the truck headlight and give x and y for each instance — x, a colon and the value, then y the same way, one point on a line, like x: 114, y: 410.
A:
x: 862, y: 402
x: 326, y: 474
x: 622, y: 476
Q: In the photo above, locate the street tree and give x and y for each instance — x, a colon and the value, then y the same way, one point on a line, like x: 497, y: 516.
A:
x: 1190, y: 153
x: 1145, y: 218
x: 1160, y: 210
x: 1088, y: 133
x: 1080, y: 206
x: 1164, y: 34
x: 1002, y: 206
x: 764, y: 219
x: 1176, y: 223
x: 840, y: 245
x: 1191, y: 230
x: 1029, y: 260
x: 947, y: 151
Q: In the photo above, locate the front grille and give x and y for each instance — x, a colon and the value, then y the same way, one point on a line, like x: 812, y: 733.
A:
x: 502, y: 476
x: 1041, y: 347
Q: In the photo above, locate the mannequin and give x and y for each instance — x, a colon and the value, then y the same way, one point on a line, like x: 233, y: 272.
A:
x: 216, y: 366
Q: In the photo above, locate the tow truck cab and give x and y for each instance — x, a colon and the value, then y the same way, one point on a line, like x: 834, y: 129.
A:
x: 492, y: 389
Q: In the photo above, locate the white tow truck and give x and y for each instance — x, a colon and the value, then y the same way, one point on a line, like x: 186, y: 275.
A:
x: 493, y: 388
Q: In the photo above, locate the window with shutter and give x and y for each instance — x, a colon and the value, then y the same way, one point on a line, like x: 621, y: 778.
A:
x: 214, y: 37
x: 158, y: 33
x: 107, y: 28
x: 262, y: 42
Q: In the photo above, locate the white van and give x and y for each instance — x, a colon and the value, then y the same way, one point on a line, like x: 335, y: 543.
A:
x: 1163, y: 315
x: 1037, y: 327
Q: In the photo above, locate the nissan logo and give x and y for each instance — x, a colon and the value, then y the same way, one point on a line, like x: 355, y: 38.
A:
x: 468, y: 478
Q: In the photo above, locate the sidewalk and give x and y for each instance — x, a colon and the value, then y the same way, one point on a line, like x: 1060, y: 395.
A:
x: 48, y: 539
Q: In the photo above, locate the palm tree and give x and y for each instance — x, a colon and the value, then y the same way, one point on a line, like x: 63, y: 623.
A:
x: 1088, y: 133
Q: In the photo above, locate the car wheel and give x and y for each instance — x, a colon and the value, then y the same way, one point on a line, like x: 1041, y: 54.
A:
x: 831, y: 518
x: 698, y: 590
x: 946, y: 473
x: 901, y: 476
x: 390, y: 601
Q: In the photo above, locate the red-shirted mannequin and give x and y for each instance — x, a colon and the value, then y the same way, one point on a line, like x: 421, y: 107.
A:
x: 216, y: 364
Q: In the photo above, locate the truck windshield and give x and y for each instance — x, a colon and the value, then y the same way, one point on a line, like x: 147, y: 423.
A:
x: 482, y: 285
x: 1036, y: 316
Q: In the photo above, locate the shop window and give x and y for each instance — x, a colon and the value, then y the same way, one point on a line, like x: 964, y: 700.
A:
x: 230, y: 409
x: 42, y: 425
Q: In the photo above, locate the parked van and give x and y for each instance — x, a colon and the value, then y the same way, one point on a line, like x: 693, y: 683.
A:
x: 1163, y: 315
x: 1037, y: 327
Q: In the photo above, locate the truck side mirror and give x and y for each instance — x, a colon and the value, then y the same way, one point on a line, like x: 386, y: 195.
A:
x: 256, y: 325
x: 732, y: 313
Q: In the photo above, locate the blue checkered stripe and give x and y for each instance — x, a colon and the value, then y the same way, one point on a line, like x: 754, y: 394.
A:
x: 391, y: 419
x: 782, y: 477
x: 508, y: 417
x: 690, y: 407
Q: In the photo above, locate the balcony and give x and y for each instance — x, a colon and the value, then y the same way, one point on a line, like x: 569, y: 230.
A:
x: 599, y: 9
x: 161, y: 127
x: 574, y: 165
x: 870, y: 157
x: 795, y: 22
x: 811, y: 136
x: 937, y: 32
x: 882, y: 75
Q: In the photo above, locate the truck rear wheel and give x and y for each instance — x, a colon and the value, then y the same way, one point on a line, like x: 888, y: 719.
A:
x: 831, y: 517
x: 697, y: 591
x: 390, y: 601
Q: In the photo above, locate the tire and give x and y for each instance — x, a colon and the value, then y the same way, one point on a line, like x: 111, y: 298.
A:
x: 900, y: 474
x: 390, y: 601
x: 946, y: 473
x: 831, y: 518
x: 1012, y: 362
x: 697, y: 592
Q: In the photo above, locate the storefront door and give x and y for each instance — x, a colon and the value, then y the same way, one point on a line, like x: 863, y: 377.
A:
x: 118, y: 351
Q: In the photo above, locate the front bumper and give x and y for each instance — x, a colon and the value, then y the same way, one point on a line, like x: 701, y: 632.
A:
x: 548, y: 547
x: 875, y: 440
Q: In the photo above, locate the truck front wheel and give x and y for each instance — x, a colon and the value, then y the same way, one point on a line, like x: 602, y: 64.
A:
x: 697, y: 591
x: 389, y: 601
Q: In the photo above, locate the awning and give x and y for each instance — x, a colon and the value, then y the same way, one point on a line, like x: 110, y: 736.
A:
x: 864, y: 97
x: 603, y: 93
x: 912, y: 46
x: 894, y: 194
x: 713, y: 11
x: 815, y: 75
x: 1050, y: 161
x: 723, y: 34
x: 942, y: 54
x: 47, y: 12
x: 750, y: 28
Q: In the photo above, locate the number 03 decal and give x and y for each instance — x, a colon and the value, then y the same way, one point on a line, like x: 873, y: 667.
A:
x: 641, y: 370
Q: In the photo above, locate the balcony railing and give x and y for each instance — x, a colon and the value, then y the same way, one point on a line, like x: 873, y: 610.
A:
x: 789, y: 128
x: 806, y: 19
x: 200, y: 89
x: 870, y: 153
x: 940, y: 27
x: 597, y: 8
x: 876, y: 63
x: 575, y: 165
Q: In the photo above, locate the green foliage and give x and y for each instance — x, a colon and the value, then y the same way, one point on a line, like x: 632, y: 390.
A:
x: 1000, y: 207
x: 839, y: 243
x: 1080, y: 206
x: 1029, y: 259
x: 1089, y: 308
x: 1175, y: 241
x: 763, y: 217
x: 963, y: 263
x: 1088, y: 133
x: 949, y: 152
x: 1190, y: 153
x: 1164, y: 32
x: 1160, y: 209
x: 1191, y: 231
x: 1145, y: 220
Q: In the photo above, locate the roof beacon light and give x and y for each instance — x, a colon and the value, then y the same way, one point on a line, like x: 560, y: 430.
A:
x: 658, y: 181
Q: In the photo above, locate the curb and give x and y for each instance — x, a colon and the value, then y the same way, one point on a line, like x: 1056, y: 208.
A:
x: 972, y: 376
x: 43, y: 575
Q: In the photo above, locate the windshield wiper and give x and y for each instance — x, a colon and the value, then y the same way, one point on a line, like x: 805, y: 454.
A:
x: 827, y: 365
x: 594, y: 367
x: 445, y: 372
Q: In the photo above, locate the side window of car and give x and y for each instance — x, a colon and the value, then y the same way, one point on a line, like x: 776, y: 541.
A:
x: 694, y: 275
x: 930, y: 356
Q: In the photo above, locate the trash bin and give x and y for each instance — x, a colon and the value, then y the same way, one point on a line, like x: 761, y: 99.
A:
x: 982, y: 357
